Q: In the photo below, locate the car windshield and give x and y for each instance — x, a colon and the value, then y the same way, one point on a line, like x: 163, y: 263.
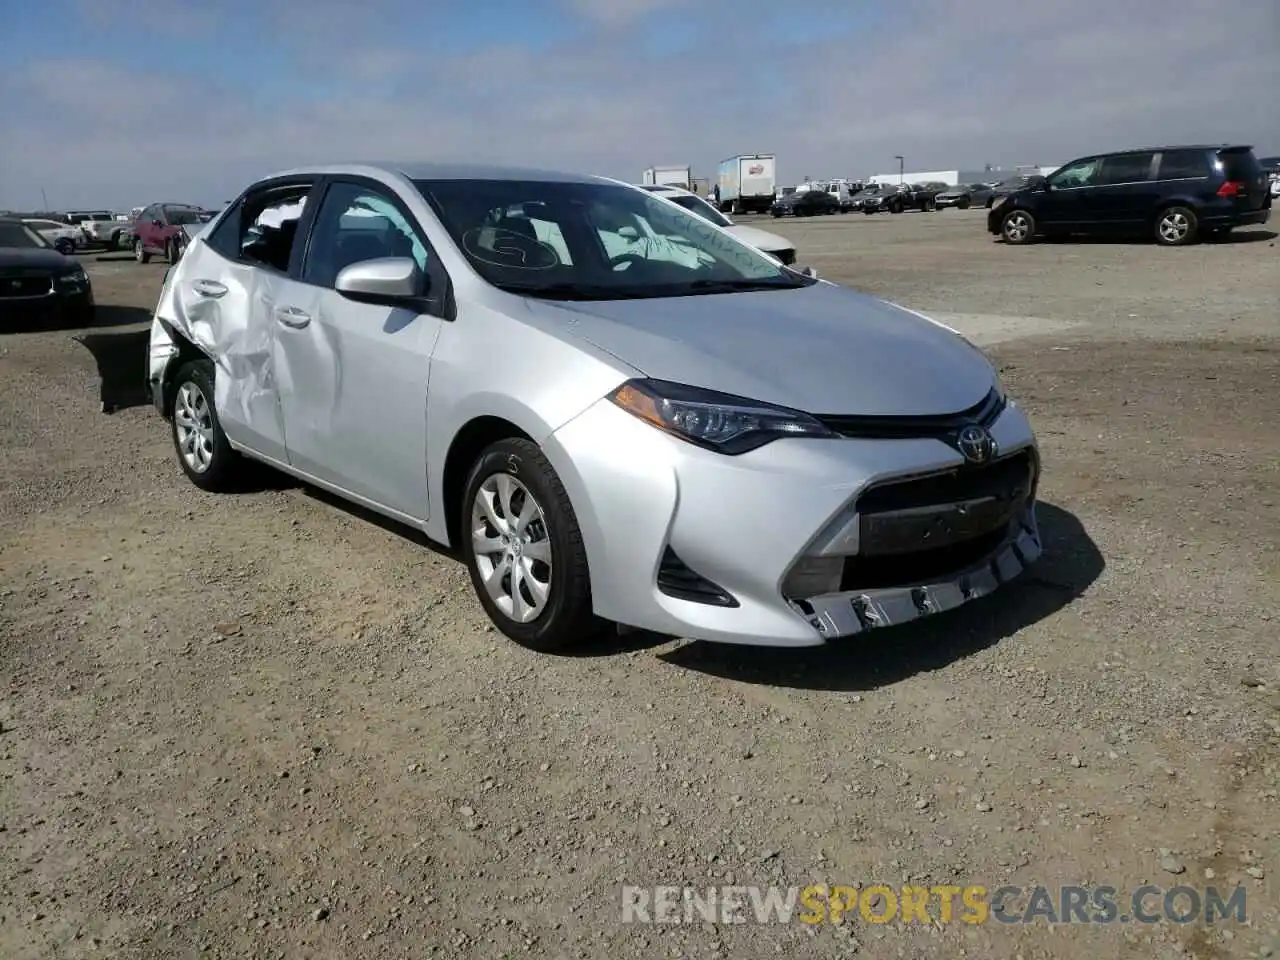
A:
x: 699, y: 206
x: 13, y: 234
x: 594, y: 241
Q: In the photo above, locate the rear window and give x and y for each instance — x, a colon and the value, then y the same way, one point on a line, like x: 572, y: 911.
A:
x: 1239, y: 164
x: 1184, y: 164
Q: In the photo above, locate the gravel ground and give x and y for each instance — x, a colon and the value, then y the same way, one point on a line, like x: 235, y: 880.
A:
x: 269, y: 725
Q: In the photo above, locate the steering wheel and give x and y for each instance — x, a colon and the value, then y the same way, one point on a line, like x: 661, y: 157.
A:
x: 616, y: 261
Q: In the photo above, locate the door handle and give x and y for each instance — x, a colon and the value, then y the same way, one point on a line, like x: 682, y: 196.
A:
x: 209, y: 288
x: 293, y: 317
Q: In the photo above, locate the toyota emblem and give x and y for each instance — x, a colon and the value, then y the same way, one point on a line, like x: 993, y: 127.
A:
x: 976, y: 444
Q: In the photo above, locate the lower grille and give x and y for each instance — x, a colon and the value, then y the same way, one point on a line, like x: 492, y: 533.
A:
x: 922, y: 528
x: 675, y: 579
x: 25, y: 285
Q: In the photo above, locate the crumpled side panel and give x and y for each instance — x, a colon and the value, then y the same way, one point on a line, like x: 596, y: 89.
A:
x: 224, y: 308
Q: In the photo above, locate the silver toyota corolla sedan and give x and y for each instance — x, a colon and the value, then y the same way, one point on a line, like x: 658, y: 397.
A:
x: 613, y: 410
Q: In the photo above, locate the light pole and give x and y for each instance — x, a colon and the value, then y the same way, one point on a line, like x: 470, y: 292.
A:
x: 900, y: 167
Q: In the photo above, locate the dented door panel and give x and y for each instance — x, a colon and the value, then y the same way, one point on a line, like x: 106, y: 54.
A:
x: 223, y: 308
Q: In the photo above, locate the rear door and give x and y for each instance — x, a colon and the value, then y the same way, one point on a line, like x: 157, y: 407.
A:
x: 353, y: 376
x: 227, y: 286
x: 1127, y: 193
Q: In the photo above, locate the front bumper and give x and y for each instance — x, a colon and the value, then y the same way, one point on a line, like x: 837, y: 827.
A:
x: 58, y: 308
x: 748, y: 524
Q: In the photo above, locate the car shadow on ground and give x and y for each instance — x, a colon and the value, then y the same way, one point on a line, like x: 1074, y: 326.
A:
x: 1070, y: 564
x: 121, y: 357
x: 1238, y: 235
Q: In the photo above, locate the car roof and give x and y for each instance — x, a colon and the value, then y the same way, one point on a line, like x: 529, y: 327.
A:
x: 1175, y: 146
x: 440, y: 171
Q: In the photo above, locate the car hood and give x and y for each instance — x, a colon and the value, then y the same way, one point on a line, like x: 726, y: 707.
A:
x: 823, y: 349
x: 760, y: 239
x: 39, y: 259
x: 953, y: 193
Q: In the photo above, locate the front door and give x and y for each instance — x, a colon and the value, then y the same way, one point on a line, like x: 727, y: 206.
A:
x: 353, y: 376
x: 1069, y: 196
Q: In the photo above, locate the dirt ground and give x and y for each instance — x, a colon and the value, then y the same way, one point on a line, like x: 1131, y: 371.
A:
x: 269, y: 725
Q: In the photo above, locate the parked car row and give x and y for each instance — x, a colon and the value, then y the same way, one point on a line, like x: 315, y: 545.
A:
x: 1176, y: 195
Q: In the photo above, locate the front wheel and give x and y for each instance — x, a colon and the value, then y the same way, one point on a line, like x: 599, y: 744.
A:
x: 64, y: 247
x: 113, y: 242
x: 139, y: 251
x: 1176, y: 226
x: 204, y: 453
x: 964, y: 204
x: 1018, y: 226
x: 524, y: 550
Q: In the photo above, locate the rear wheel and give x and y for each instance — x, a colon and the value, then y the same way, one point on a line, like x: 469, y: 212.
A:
x: 1018, y: 226
x: 204, y: 453
x: 64, y: 246
x: 139, y: 252
x: 113, y: 242
x: 524, y: 550
x: 1176, y: 226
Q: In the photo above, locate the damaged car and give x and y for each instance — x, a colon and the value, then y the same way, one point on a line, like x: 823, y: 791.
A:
x: 710, y: 445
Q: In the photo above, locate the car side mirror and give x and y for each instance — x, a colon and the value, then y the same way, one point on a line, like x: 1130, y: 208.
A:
x: 629, y: 233
x: 390, y: 281
x: 809, y: 272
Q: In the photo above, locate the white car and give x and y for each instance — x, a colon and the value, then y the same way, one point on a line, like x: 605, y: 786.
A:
x: 780, y: 248
x: 60, y: 236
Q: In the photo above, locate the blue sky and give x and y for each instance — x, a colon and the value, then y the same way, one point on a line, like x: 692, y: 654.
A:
x: 123, y: 102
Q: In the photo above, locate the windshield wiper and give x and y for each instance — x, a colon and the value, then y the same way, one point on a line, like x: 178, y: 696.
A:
x: 731, y: 286
x: 573, y: 291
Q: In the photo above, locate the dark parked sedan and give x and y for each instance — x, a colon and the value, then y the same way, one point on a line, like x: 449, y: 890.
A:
x: 964, y: 197
x: 807, y: 204
x: 37, y: 283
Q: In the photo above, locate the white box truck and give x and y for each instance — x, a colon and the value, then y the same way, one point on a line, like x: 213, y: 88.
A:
x: 671, y: 176
x: 746, y: 183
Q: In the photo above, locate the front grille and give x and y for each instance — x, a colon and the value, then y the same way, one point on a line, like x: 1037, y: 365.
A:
x: 914, y: 530
x: 940, y: 426
x: 25, y: 284
x: 675, y: 579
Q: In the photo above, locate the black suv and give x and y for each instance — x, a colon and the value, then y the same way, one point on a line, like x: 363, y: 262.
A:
x: 1175, y: 194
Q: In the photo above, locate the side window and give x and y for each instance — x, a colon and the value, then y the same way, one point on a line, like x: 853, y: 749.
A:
x: 357, y: 223
x: 261, y: 228
x: 1183, y: 165
x: 1082, y: 173
x: 1126, y: 168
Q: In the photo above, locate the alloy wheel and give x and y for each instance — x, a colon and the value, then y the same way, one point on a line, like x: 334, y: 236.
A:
x: 1174, y: 226
x: 1016, y: 226
x: 193, y: 421
x: 512, y: 547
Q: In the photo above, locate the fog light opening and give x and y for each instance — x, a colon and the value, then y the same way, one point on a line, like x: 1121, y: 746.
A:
x: 813, y: 577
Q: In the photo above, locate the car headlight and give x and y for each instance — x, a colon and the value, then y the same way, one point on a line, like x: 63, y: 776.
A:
x: 716, y: 421
x: 74, y: 278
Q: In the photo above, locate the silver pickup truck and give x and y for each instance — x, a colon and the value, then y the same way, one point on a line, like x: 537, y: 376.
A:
x: 100, y: 227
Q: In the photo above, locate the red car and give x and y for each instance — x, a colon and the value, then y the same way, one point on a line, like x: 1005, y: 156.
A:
x: 157, y: 230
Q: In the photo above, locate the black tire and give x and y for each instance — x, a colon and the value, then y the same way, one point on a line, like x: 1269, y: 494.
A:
x: 113, y: 242
x: 1176, y: 226
x: 224, y: 464
x: 991, y: 201
x: 868, y: 211
x: 172, y: 252
x: 567, y: 618
x: 1018, y: 227
x: 64, y: 247
x: 139, y: 252
x: 964, y: 204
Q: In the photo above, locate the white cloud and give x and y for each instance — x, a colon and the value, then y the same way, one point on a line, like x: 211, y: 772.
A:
x: 966, y: 84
